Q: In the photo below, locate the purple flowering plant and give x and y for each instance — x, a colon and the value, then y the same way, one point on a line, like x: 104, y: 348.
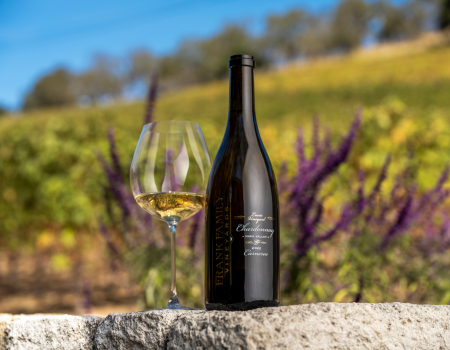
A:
x: 366, y: 229
x: 386, y: 235
x: 138, y: 241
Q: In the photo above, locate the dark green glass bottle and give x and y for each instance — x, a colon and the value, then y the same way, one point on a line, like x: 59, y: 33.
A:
x: 242, y: 260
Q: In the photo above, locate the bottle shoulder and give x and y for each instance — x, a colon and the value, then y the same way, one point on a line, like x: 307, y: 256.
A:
x: 242, y: 155
x: 247, y: 167
x: 238, y: 157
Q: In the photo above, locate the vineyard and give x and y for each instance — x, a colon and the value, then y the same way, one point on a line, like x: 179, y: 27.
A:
x: 52, y: 185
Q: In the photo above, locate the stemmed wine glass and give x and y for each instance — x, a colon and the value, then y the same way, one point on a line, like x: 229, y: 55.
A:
x: 169, y: 174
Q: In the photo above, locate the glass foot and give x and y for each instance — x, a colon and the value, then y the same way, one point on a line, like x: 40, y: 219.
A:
x: 173, y: 303
x: 175, y: 306
x: 180, y: 308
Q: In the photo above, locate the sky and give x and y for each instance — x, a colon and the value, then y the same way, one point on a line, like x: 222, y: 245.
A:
x: 37, y: 36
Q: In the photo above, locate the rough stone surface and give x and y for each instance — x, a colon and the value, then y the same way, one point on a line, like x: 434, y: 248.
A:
x: 51, y: 332
x: 138, y: 330
x: 4, y: 320
x: 314, y: 326
x: 317, y: 326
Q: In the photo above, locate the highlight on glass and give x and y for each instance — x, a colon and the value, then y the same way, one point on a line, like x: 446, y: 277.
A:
x: 169, y: 174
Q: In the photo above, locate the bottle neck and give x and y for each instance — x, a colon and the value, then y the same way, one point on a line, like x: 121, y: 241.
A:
x: 242, y: 97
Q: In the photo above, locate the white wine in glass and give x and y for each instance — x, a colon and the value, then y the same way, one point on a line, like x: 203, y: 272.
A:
x: 165, y: 205
x: 169, y: 175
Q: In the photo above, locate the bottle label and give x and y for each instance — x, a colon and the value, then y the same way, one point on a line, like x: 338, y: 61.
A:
x: 222, y: 239
x: 257, y: 230
x: 242, y: 245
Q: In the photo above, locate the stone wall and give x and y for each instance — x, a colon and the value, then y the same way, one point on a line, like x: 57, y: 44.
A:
x: 312, y: 326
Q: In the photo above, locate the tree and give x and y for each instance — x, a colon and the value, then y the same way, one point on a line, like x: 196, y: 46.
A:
x: 283, y: 33
x: 174, y: 72
x: 140, y: 67
x: 187, y: 66
x: 349, y: 25
x: 103, y: 81
x: 315, y: 39
x: 444, y: 15
x: 3, y: 111
x: 399, y: 22
x: 55, y: 89
x: 205, y: 60
x: 234, y: 39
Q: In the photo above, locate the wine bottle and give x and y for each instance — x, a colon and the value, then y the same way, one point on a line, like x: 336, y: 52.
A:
x: 242, y: 258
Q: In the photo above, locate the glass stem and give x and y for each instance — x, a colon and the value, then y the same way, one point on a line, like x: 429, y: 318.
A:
x: 173, y: 302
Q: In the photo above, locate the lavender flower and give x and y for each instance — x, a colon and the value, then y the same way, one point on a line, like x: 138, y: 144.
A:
x: 113, y: 153
x: 107, y: 236
x: 360, y: 202
x: 116, y: 187
x: 283, y: 181
x: 300, y: 151
x: 151, y: 99
x: 413, y: 209
x: 170, y: 177
x: 443, y: 235
x: 437, y: 236
x: 87, y: 297
x: 380, y: 180
x: 123, y: 198
x: 311, y: 174
x: 107, y: 200
x: 197, y: 219
x: 403, y: 221
x: 388, y: 216
x: 334, y: 160
x: 371, y: 200
x: 436, y: 195
x: 134, y: 221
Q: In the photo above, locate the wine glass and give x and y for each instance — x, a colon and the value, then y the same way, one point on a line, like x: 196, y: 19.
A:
x: 169, y: 174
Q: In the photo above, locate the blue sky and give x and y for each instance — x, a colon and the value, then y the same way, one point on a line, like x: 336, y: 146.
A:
x: 37, y: 36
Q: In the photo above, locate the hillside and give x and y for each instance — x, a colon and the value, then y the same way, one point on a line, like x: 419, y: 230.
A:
x: 416, y: 72
x: 50, y: 174
x: 52, y: 194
